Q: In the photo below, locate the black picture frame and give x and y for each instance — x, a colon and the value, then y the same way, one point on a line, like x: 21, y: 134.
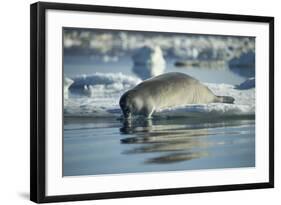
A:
x: 38, y: 101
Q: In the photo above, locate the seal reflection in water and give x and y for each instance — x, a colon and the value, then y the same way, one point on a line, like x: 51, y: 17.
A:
x: 166, y: 91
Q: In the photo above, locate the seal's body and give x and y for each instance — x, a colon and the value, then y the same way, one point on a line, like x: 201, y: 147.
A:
x: 167, y: 90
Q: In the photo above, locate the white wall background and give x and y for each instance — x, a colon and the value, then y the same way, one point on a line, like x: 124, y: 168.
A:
x: 14, y: 100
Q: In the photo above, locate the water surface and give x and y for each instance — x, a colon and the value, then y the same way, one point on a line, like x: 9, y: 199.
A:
x: 110, y: 146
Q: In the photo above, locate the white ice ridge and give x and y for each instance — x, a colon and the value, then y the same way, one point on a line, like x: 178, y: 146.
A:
x: 66, y: 84
x: 105, y: 91
x: 148, y: 62
x: 102, y: 84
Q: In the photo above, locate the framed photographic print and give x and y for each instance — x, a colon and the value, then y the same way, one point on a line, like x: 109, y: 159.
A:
x: 129, y: 102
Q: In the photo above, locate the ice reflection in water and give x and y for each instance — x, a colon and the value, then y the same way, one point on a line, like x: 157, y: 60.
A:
x: 183, y: 141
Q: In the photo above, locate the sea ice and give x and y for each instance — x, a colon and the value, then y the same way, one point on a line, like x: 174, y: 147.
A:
x: 106, y: 90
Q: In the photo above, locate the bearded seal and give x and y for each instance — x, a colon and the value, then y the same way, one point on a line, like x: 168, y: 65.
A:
x: 165, y: 91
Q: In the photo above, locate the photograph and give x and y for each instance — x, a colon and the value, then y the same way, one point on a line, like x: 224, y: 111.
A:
x: 138, y: 101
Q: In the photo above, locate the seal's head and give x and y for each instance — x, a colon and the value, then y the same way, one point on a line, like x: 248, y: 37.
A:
x: 126, y: 104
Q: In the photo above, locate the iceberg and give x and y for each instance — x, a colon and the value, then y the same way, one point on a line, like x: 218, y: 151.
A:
x: 148, y: 62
